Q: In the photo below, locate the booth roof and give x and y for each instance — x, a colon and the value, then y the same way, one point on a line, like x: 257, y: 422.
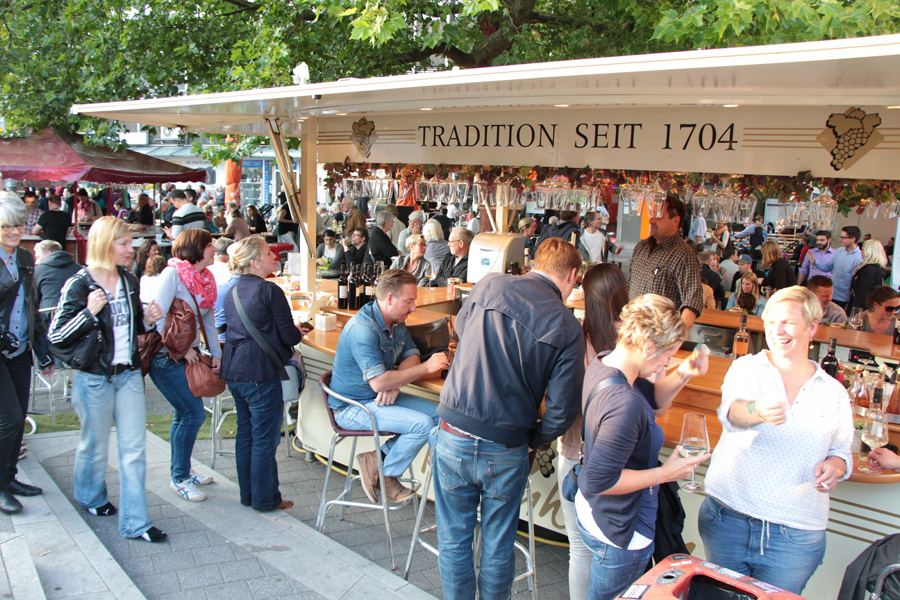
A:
x: 58, y: 157
x: 860, y: 71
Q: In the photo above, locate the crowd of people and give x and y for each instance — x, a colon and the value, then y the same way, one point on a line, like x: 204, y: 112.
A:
x: 598, y: 385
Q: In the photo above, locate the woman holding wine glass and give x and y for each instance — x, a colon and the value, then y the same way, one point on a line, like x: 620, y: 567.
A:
x: 785, y: 445
x: 616, y: 502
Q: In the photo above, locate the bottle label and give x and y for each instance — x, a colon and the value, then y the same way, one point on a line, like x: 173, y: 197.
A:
x: 342, y: 291
x: 370, y: 291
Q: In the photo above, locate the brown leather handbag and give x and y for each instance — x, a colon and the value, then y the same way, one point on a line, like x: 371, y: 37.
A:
x: 148, y: 345
x: 180, y: 330
x: 201, y: 380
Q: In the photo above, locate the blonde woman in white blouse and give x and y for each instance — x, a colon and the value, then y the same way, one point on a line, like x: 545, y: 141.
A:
x: 785, y: 445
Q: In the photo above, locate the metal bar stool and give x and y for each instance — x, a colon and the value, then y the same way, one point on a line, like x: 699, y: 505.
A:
x: 530, y: 572
x: 340, y: 434
x: 217, y: 416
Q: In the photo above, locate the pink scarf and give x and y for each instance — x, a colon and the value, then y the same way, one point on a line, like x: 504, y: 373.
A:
x: 201, y: 284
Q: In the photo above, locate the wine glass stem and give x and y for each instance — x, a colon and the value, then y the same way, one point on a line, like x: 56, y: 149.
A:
x: 693, y: 483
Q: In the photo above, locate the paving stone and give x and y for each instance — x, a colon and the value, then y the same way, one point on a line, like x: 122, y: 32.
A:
x: 181, y: 540
x: 213, y: 554
x: 157, y: 584
x: 242, y: 570
x: 173, y: 561
x: 199, y: 577
x: 234, y: 590
x: 196, y: 594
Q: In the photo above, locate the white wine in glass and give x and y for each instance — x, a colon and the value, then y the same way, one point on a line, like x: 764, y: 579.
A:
x: 694, y: 442
x: 875, y: 435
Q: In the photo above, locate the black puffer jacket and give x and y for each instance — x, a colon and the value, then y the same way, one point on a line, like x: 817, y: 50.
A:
x: 73, y: 324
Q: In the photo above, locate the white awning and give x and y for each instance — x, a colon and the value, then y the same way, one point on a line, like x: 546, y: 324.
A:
x: 849, y: 72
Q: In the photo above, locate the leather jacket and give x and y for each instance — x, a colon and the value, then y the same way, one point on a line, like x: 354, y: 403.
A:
x: 9, y: 288
x: 74, y: 325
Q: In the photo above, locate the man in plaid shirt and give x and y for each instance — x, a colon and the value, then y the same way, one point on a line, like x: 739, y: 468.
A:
x: 664, y: 264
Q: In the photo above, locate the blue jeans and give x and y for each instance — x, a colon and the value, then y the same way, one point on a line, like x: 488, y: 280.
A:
x: 613, y: 569
x: 99, y: 402
x: 770, y: 552
x: 468, y: 472
x: 260, y: 412
x: 411, y: 417
x: 580, y: 556
x: 188, y: 417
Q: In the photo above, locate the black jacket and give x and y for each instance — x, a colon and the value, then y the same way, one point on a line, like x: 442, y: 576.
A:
x: 713, y: 280
x: 563, y: 229
x: 780, y: 275
x: 51, y: 275
x: 9, y: 289
x: 517, y: 340
x: 448, y: 269
x: 864, y: 570
x: 380, y: 248
x: 74, y: 325
x: 867, y: 278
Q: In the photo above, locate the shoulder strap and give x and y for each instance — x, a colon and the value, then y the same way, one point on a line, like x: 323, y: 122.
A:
x: 202, y: 324
x: 255, y: 334
x: 616, y: 379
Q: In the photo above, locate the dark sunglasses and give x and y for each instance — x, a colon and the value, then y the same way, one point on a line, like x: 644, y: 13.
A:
x: 890, y: 309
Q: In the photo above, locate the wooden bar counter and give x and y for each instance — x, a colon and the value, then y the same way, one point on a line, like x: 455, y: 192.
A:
x: 860, y: 513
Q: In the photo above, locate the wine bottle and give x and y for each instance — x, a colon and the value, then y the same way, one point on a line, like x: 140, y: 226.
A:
x: 370, y: 284
x: 352, y: 293
x: 741, y: 345
x: 893, y: 405
x: 861, y: 398
x: 360, y: 288
x: 830, y: 362
x: 343, y: 292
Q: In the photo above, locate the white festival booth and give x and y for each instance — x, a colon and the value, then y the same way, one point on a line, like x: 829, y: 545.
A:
x: 831, y: 108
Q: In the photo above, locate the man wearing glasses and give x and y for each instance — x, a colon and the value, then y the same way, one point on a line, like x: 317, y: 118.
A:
x: 455, y: 264
x: 845, y: 260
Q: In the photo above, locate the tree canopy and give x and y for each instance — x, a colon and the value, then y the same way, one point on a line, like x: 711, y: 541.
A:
x: 60, y: 52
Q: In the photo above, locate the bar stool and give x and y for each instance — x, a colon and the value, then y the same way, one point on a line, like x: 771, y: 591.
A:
x: 530, y: 572
x: 340, y: 434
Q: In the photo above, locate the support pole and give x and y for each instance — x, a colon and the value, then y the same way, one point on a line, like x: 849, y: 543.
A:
x: 289, y: 181
x: 309, y: 165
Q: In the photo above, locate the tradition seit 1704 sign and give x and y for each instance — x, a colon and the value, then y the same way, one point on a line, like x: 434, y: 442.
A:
x: 851, y: 142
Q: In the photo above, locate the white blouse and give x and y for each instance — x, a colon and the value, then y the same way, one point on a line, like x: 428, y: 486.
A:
x: 767, y: 471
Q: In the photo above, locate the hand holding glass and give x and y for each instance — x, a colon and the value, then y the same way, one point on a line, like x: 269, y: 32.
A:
x: 694, y: 442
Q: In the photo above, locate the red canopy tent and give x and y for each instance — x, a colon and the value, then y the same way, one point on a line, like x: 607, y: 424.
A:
x: 54, y: 156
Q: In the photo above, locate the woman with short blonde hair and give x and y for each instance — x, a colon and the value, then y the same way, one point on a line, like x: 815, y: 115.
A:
x: 436, y: 247
x: 616, y: 501
x: 785, y: 446
x: 241, y: 254
x: 414, y: 261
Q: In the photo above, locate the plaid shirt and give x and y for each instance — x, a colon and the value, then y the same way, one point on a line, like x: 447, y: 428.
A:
x: 31, y: 219
x: 670, y: 269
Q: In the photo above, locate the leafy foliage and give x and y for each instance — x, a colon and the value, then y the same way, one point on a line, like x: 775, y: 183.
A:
x: 60, y: 52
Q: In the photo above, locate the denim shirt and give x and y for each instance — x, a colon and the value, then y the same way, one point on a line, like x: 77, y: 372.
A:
x: 366, y: 349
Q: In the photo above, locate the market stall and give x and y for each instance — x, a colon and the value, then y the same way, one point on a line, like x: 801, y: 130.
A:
x: 787, y: 119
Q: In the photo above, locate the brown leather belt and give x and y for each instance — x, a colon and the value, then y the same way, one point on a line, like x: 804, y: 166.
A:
x: 450, y: 429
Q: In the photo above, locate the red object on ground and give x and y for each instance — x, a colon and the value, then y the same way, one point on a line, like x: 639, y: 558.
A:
x: 55, y: 156
x: 681, y: 577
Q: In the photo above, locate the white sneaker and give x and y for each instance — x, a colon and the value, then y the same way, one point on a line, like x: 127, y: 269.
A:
x: 198, y: 479
x: 186, y: 490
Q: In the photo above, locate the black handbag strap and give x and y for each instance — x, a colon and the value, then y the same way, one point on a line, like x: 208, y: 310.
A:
x: 256, y: 335
x: 615, y: 379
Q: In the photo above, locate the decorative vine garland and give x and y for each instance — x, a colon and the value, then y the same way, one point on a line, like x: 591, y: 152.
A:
x: 850, y: 194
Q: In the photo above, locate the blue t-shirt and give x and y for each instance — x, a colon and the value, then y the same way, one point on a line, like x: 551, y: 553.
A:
x: 366, y: 349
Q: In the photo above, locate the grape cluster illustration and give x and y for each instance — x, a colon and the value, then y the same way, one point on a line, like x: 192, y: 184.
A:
x: 852, y: 130
x: 544, y: 460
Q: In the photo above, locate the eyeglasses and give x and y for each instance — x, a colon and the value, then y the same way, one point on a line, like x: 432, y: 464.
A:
x: 11, y: 227
x: 890, y: 309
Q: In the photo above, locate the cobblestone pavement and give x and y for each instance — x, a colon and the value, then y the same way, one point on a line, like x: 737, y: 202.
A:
x: 199, y: 562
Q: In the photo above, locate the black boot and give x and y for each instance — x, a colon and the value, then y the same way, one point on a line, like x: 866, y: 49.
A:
x: 23, y: 489
x: 9, y: 503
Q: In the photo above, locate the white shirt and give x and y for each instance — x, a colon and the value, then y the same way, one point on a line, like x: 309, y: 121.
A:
x: 698, y: 229
x: 149, y: 287
x: 121, y: 322
x: 220, y: 272
x: 474, y: 226
x: 595, y: 243
x: 767, y: 471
